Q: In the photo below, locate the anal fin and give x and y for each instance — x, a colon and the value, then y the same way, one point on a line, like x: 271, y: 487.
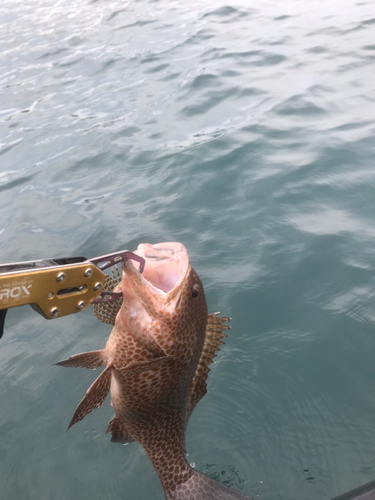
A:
x: 91, y: 360
x: 94, y: 397
x: 119, y: 432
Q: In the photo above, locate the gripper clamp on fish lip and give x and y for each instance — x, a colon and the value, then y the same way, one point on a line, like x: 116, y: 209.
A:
x: 59, y: 286
x: 106, y: 261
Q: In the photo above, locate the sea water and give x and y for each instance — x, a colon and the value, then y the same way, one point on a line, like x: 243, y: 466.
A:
x: 244, y: 130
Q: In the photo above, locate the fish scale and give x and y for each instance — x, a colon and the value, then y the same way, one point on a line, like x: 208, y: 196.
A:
x: 107, y: 311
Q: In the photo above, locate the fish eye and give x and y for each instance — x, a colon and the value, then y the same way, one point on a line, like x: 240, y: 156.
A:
x: 195, y: 293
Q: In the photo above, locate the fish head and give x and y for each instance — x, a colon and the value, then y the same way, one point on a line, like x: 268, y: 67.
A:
x: 167, y: 300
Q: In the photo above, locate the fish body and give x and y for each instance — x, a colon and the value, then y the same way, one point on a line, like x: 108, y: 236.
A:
x: 156, y: 359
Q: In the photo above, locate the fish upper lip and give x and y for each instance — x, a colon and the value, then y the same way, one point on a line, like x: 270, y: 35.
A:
x: 137, y: 258
x: 105, y: 261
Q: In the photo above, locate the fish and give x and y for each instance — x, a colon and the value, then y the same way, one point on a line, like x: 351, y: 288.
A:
x: 156, y: 363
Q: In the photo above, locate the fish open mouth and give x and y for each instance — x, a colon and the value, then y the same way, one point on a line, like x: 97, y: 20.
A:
x: 166, y: 265
x: 158, y: 288
x: 153, y: 277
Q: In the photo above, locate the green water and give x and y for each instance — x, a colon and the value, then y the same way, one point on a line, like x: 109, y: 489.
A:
x: 244, y: 130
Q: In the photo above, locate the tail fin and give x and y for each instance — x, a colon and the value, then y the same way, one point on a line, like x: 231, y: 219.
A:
x: 204, y: 488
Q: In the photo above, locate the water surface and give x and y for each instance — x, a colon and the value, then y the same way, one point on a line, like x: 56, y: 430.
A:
x: 245, y: 130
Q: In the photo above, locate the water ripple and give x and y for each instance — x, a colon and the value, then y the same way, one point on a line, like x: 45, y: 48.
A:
x: 247, y: 133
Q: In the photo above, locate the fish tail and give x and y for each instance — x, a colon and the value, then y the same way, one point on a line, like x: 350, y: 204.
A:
x: 90, y: 360
x: 203, y: 487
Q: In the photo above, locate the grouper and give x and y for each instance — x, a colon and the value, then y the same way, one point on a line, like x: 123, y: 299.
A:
x: 156, y: 365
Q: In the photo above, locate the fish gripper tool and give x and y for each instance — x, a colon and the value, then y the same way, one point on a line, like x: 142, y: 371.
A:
x: 59, y: 286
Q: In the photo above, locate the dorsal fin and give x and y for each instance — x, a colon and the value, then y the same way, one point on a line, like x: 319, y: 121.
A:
x: 107, y: 311
x: 214, y: 334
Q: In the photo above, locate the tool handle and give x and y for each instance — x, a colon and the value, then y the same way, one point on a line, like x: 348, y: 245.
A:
x: 53, y: 291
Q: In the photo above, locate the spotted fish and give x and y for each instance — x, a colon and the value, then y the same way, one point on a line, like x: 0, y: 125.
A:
x: 156, y: 365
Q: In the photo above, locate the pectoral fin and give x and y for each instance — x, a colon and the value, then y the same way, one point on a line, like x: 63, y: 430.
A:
x: 94, y: 397
x: 91, y: 360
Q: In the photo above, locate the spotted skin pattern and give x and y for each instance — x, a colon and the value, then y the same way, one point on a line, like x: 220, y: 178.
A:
x: 157, y: 360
